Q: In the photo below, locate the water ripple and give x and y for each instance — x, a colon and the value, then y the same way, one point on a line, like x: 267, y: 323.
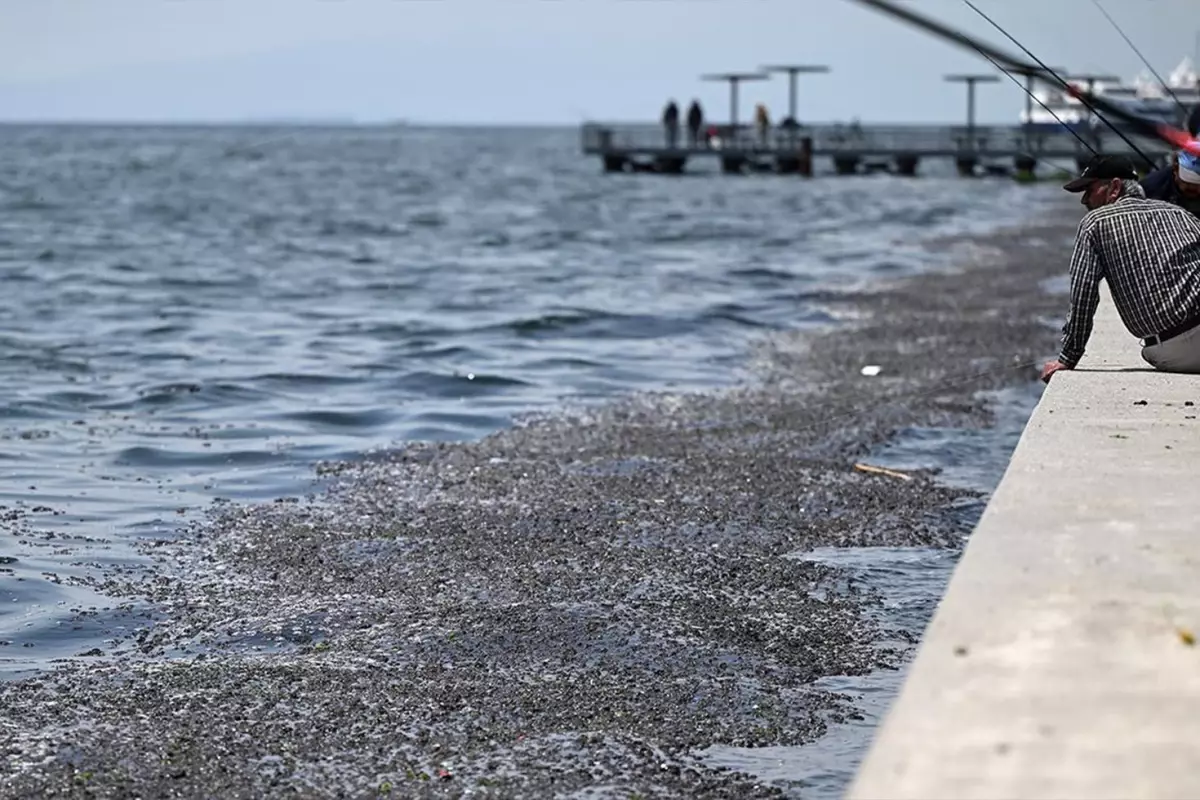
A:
x: 202, y: 313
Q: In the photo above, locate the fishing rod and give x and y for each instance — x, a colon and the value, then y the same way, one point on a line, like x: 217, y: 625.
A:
x: 1173, y: 136
x: 1041, y: 103
x: 1063, y: 83
x: 1132, y: 46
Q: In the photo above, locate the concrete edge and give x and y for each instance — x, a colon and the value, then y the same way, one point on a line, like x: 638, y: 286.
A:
x: 1061, y: 661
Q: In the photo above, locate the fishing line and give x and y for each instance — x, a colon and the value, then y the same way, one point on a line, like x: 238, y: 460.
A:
x: 1064, y: 84
x: 1151, y: 128
x: 1129, y: 42
x: 1038, y: 100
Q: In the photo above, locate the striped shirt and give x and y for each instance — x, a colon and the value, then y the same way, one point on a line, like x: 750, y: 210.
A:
x: 1149, y: 252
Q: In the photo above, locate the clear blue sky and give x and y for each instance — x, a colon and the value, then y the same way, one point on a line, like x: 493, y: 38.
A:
x: 534, y: 61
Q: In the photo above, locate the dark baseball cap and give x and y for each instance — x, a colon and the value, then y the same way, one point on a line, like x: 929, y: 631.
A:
x: 1102, y: 168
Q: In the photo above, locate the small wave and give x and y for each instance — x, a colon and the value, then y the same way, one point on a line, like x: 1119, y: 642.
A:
x: 29, y: 203
x: 563, y: 362
x: 167, y: 212
x: 918, y: 217
x: 494, y: 239
x: 74, y: 398
x: 733, y: 312
x: 765, y: 275
x: 303, y: 380
x: 170, y: 393
x: 360, y: 227
x: 598, y: 324
x: 156, y: 358
x: 169, y: 329
x: 427, y: 219
x: 780, y: 242
x: 392, y: 285
x: 552, y: 323
x: 888, y: 267
x: 143, y: 456
x: 24, y: 410
x: 847, y: 256
x: 424, y: 348
x: 183, y: 282
x: 469, y: 384
x: 696, y: 234
x: 463, y: 424
x: 296, y: 248
x: 327, y: 418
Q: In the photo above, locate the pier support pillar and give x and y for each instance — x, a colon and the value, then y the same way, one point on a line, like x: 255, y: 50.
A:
x: 845, y: 165
x: 906, y: 165
x: 966, y: 165
x: 1024, y: 167
x: 805, y: 162
x: 732, y: 165
x: 670, y: 165
x: 614, y: 163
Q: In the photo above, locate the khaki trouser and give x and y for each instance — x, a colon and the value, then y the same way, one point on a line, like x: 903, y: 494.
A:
x: 1179, y: 354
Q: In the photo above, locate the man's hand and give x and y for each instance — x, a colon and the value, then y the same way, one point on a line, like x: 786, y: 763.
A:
x: 1051, y: 368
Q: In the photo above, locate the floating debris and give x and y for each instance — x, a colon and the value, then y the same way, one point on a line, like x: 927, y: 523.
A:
x: 891, y: 473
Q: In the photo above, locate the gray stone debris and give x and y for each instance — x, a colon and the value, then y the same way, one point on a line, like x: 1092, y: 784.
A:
x: 568, y: 607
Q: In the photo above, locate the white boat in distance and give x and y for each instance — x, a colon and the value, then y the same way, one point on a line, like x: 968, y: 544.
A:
x: 1144, y: 96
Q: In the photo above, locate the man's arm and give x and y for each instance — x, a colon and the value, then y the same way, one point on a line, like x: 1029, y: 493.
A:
x: 1086, y: 272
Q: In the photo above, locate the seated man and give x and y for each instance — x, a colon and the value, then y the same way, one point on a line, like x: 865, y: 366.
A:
x: 1179, y: 181
x: 1149, y: 252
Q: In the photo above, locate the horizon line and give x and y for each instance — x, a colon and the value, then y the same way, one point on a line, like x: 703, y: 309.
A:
x: 317, y: 122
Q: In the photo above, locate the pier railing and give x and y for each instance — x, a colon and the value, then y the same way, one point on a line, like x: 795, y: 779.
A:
x: 600, y: 138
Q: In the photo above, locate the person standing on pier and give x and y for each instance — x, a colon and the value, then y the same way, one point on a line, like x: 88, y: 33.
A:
x: 763, y: 122
x: 1149, y: 253
x: 1179, y: 181
x: 670, y: 120
x: 695, y: 120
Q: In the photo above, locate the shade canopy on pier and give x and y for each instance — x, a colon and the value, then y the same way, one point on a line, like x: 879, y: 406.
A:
x: 734, y: 78
x: 792, y: 71
x: 970, y: 81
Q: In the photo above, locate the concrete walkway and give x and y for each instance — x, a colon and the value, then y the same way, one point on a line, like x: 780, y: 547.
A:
x: 1061, y: 662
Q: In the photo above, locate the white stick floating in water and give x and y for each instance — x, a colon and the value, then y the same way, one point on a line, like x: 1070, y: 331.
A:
x: 882, y: 471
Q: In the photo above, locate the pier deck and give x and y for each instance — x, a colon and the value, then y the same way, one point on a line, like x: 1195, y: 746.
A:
x: 647, y: 148
x: 1062, y: 661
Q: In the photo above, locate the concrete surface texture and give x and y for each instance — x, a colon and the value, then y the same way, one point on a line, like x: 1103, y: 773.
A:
x: 1062, y: 661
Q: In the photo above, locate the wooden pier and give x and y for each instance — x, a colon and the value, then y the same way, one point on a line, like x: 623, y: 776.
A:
x: 854, y: 149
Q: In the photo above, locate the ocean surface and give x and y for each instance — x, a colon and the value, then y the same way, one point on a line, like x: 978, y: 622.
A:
x: 198, y: 313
